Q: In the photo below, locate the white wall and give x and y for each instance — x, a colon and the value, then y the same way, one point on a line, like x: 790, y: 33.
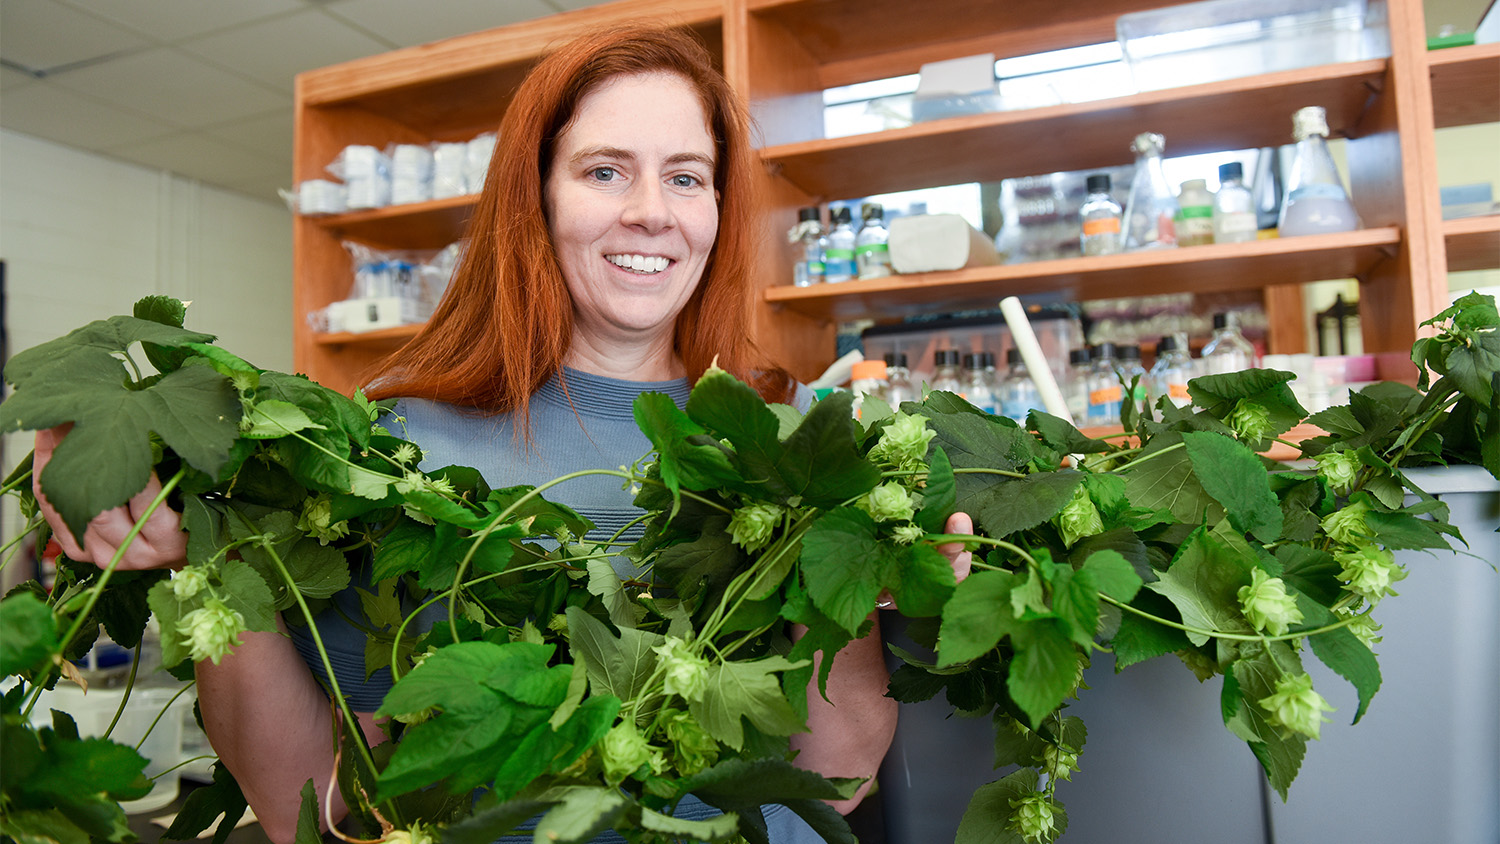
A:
x: 84, y: 236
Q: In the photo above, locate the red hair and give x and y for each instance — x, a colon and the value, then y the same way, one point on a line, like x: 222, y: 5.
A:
x: 505, y: 324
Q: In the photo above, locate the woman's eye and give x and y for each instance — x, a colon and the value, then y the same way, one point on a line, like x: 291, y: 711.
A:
x: 684, y: 180
x: 603, y: 174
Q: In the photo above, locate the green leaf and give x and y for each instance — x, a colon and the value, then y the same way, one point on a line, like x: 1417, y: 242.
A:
x: 582, y: 814
x: 461, y: 746
x: 1001, y: 509
x: 269, y: 420
x: 487, y: 825
x: 920, y: 578
x: 1312, y: 572
x: 618, y: 666
x: 28, y: 634
x: 1044, y: 669
x: 939, y: 495
x: 1343, y: 652
x: 307, y: 816
x: 1269, y: 388
x: 1234, y: 476
x: 106, y: 459
x: 1401, y: 530
x: 699, y: 570
x: 403, y: 549
x: 732, y: 410
x: 1114, y: 574
x: 842, y: 564
x: 686, y: 455
x: 1280, y: 755
x: 1075, y: 600
x: 1061, y: 436
x: 206, y: 804
x: 987, y: 818
x: 1203, y: 583
x: 1167, y: 482
x: 41, y: 826
x: 821, y: 462
x: 58, y: 360
x: 721, y: 828
x: 736, y: 784
x: 1140, y: 639
x: 738, y: 690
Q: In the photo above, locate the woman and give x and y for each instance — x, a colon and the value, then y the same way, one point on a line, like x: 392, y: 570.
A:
x: 609, y: 254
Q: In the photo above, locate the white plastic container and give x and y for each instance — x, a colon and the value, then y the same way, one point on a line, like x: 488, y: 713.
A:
x: 163, y: 746
x: 1227, y: 39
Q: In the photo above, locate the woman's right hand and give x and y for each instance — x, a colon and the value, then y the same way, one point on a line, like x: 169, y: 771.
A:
x: 160, y: 544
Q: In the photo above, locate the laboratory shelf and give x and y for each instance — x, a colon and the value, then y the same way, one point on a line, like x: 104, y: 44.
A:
x: 1473, y: 243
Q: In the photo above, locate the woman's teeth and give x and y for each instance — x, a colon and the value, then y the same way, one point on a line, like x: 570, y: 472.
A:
x: 639, y: 263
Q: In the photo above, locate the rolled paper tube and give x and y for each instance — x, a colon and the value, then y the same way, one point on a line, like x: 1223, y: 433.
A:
x: 1036, y: 362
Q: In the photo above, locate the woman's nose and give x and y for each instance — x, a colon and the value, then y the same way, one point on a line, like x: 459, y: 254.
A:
x: 646, y: 207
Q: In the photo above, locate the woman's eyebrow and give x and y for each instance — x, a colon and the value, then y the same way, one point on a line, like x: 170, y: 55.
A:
x: 628, y: 155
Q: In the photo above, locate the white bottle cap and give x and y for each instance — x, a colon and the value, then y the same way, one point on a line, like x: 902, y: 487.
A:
x: 1148, y: 142
x: 1309, y: 121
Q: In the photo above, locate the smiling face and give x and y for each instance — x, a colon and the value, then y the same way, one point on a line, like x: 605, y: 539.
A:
x: 633, y: 214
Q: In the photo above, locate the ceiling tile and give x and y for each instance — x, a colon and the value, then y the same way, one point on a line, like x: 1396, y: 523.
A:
x: 44, y: 34
x: 408, y: 22
x: 198, y: 156
x: 12, y: 79
x: 172, y: 20
x: 276, y: 50
x: 177, y: 88
x: 47, y: 111
x: 269, y: 135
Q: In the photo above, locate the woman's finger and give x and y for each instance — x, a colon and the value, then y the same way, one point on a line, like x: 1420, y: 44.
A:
x: 961, y: 560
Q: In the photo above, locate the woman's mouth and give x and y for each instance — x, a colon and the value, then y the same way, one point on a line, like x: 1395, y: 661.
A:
x: 643, y: 264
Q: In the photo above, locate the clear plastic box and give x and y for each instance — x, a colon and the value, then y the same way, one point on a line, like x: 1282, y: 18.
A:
x: 1226, y: 39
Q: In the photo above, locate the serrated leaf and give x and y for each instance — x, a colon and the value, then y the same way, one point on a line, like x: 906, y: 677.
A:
x: 272, y: 419
x: 1203, y: 583
x: 821, y: 462
x: 1140, y: 639
x: 307, y: 816
x: 1167, y: 482
x: 618, y: 666
x: 842, y: 563
x: 720, y: 828
x: 1000, y: 509
x: 1343, y: 652
x: 1044, y: 669
x: 28, y: 634
x: 987, y: 818
x: 1113, y: 574
x: 732, y: 410
x: 582, y: 814
x: 939, y: 495
x: 740, y: 690
x: 1234, y: 476
x: 686, y: 455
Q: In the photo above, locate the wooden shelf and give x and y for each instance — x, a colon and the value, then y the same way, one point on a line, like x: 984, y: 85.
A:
x: 1465, y: 85
x: 379, y: 338
x: 1473, y: 243
x: 1231, y: 114
x: 1238, y: 266
x: 419, y: 225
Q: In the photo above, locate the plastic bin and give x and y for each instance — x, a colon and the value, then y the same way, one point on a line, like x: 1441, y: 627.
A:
x: 1226, y: 39
x: 1057, y: 330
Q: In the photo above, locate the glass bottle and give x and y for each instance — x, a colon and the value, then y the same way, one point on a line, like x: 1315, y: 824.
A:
x: 1234, y: 207
x: 807, y: 240
x: 1171, y: 372
x: 868, y: 378
x: 872, y: 250
x: 945, y: 371
x: 838, y: 257
x: 1076, y: 385
x: 1129, y: 371
x: 1266, y: 190
x: 1151, y: 209
x: 1228, y: 350
x: 1019, y: 395
x: 898, y: 386
x: 1105, y: 391
x: 976, y: 386
x: 1195, y: 214
x: 1316, y: 201
x: 1101, y: 218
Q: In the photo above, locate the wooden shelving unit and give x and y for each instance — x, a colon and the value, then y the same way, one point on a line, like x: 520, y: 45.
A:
x: 781, y: 54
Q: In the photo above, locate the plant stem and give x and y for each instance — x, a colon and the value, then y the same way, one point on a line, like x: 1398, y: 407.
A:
x: 24, y: 480
x: 1140, y: 460
x: 135, y: 664
x: 13, y: 547
x: 157, y: 719
x: 1220, y: 634
x: 941, y: 538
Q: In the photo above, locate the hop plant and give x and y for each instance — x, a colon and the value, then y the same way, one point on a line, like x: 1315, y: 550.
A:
x: 1249, y: 420
x: 623, y: 751
x: 907, y: 534
x: 1347, y: 526
x: 888, y: 502
x: 1266, y: 603
x: 1369, y: 572
x: 188, y: 582
x: 1079, y: 517
x: 686, y: 672
x: 752, y: 526
x: 212, y: 630
x: 903, y: 443
x: 317, y: 520
x: 1060, y: 761
x: 1339, y: 469
x: 1295, y: 707
x: 693, y: 747
x: 1033, y: 817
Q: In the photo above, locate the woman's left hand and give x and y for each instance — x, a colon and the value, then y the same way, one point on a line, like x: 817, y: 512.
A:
x: 960, y: 559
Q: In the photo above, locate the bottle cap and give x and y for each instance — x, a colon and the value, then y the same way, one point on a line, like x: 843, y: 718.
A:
x: 895, y: 359
x: 1098, y: 183
x: 839, y: 214
x: 872, y: 211
x: 1232, y: 170
x: 1128, y: 352
x: 868, y: 369
x: 1079, y: 357
x: 1104, y: 350
x: 1167, y: 343
x: 1309, y: 121
x: 1195, y: 184
x: 946, y: 357
x: 986, y: 359
x: 1148, y: 142
x: 1221, y: 321
x: 1013, y: 356
x: 809, y: 214
x: 970, y: 362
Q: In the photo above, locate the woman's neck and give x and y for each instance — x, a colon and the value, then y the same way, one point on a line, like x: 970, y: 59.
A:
x: 655, y: 361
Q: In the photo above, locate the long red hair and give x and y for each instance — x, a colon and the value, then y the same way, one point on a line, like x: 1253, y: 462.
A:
x: 506, y: 321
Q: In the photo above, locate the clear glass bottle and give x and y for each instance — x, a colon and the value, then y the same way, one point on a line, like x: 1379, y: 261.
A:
x: 867, y: 378
x: 1101, y: 218
x: 1171, y: 372
x: 808, y: 242
x: 1105, y: 391
x: 991, y: 374
x: 1266, y: 190
x: 898, y: 386
x: 1228, y: 350
x: 872, y: 249
x: 976, y: 386
x: 1316, y: 201
x: 838, y: 256
x: 1019, y: 395
x: 1195, y: 214
x: 1234, y: 207
x: 1151, y: 209
x: 1129, y: 371
x: 1076, y: 385
x: 945, y: 373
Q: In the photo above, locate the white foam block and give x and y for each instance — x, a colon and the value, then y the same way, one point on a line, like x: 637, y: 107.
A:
x: 925, y: 243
